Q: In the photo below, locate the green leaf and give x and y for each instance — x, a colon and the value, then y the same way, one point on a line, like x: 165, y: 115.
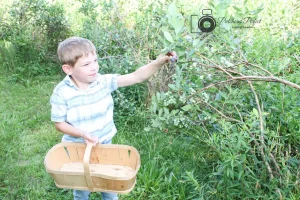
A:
x: 156, y: 123
x: 190, y: 53
x: 218, y: 97
x: 286, y: 62
x: 160, y: 112
x: 168, y: 36
x: 196, y: 42
x: 147, y: 129
x: 178, y: 76
x: 240, y: 175
x: 233, y: 102
x: 179, y: 25
x: 158, y: 96
x: 175, y: 19
x: 173, y: 87
x: 162, y: 118
x: 187, y: 107
x: 174, y: 112
x: 177, y: 22
x: 227, y: 26
x: 255, y: 112
x: 220, y: 9
x: 166, y: 111
x: 172, y: 9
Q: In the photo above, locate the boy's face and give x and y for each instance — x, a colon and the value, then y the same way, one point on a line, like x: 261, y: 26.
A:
x: 85, y: 70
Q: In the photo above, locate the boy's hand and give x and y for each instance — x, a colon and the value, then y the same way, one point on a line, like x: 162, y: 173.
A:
x: 173, y: 55
x: 88, y: 138
x: 170, y: 56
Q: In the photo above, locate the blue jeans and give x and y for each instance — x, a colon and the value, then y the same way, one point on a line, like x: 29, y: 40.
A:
x: 84, y: 195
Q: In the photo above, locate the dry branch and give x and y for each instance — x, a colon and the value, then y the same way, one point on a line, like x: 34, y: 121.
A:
x: 259, y: 67
x: 254, y: 78
x: 222, y: 114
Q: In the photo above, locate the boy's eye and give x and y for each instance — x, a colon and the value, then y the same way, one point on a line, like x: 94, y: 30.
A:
x: 87, y: 64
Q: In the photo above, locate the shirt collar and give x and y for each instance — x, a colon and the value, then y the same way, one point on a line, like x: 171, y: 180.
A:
x: 70, y: 83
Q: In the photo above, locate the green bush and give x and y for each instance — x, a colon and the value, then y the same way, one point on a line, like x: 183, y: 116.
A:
x: 32, y: 28
x: 255, y: 136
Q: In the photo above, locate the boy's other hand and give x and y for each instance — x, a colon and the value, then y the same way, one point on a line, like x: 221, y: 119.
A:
x: 170, y: 56
x: 88, y: 138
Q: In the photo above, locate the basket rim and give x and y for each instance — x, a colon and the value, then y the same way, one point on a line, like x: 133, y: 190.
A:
x: 105, y: 146
x: 102, y: 190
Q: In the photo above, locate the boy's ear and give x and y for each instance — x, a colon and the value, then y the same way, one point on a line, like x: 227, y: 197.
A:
x: 67, y: 69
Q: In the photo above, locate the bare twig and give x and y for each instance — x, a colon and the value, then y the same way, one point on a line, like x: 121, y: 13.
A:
x: 280, y: 195
x: 261, y: 137
x: 268, y: 79
x: 262, y: 153
x: 237, y: 64
x: 274, y: 162
x: 215, y: 109
x: 261, y: 124
x: 239, y: 113
x: 254, y: 78
x: 298, y: 59
x: 251, y: 64
x: 215, y: 65
x: 248, y: 67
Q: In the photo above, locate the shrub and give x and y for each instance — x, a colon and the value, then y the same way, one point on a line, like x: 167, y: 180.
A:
x: 32, y: 28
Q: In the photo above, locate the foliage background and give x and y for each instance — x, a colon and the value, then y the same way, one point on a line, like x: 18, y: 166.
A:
x: 201, y: 134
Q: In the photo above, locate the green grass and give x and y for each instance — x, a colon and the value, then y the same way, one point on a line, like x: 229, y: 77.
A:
x: 171, y: 167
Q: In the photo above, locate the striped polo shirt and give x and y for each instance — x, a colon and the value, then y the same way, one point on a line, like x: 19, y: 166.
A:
x: 89, y: 110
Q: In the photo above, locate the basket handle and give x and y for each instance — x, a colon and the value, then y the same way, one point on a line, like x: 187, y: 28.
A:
x: 86, y: 167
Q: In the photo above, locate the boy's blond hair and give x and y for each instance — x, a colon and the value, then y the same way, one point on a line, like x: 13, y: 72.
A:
x: 73, y: 48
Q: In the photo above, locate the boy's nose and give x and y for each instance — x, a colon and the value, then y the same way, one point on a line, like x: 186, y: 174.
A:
x: 95, y: 66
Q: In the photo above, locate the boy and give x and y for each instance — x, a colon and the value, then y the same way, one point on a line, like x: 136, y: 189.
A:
x: 82, y: 105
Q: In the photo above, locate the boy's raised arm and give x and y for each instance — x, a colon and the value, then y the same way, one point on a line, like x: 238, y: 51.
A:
x: 144, y: 72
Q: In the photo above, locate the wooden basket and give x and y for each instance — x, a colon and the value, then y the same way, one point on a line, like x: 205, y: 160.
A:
x: 103, y: 168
